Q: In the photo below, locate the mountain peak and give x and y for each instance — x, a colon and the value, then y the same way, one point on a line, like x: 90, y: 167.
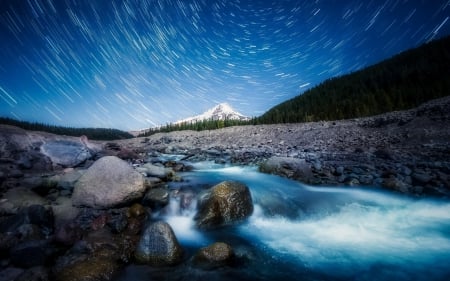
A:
x: 221, y: 111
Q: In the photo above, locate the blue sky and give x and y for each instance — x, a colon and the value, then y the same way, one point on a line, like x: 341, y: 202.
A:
x: 139, y: 63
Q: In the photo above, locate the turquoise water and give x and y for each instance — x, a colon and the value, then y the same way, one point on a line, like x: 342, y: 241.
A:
x: 313, y: 233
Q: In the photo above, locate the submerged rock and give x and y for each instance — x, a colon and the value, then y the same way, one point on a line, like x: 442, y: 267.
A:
x: 109, y: 182
x: 159, y: 246
x: 215, y: 255
x: 225, y: 203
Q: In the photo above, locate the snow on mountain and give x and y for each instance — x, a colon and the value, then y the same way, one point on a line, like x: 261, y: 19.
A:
x: 219, y: 112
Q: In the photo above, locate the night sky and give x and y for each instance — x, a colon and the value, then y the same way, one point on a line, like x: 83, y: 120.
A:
x: 139, y: 63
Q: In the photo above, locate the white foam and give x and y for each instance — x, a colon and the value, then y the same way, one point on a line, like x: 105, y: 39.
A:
x: 361, y: 235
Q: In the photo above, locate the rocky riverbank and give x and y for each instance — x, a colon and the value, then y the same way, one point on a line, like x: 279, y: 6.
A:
x: 73, y: 209
x: 407, y: 151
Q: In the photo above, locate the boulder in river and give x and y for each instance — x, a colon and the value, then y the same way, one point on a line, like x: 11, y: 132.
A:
x: 109, y: 182
x: 159, y: 246
x: 225, y: 203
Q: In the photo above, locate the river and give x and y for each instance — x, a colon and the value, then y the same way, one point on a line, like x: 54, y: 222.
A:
x: 298, y: 232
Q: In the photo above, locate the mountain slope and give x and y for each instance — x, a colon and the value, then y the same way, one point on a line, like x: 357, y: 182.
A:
x: 221, y: 111
x: 404, y: 81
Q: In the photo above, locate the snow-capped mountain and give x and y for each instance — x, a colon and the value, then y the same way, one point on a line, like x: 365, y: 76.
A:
x: 219, y: 112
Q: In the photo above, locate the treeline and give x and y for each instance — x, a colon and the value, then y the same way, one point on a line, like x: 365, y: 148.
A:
x: 91, y: 133
x: 404, y: 81
x: 207, y: 124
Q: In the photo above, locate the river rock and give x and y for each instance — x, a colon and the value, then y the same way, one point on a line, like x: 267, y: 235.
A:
x: 292, y: 168
x: 109, y: 182
x: 66, y: 153
x: 215, y: 255
x: 156, y: 198
x: 158, y: 246
x: 155, y: 171
x: 225, y: 203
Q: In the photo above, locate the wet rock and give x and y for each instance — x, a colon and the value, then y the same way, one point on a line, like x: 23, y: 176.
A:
x: 66, y: 153
x: 215, y: 255
x: 288, y: 167
x: 109, y: 182
x: 95, y: 268
x: 98, y: 257
x: 156, y: 198
x: 158, y: 246
x: 225, y: 203
x: 117, y: 222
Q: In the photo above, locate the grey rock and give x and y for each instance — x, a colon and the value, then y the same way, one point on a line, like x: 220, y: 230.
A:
x: 156, y: 198
x: 158, y: 246
x: 109, y: 182
x: 155, y: 171
x: 288, y: 167
x: 66, y: 153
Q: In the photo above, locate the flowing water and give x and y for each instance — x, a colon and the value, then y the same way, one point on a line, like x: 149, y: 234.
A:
x: 311, y: 233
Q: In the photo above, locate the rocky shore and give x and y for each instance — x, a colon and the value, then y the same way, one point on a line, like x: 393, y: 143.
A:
x: 407, y: 151
x: 74, y: 209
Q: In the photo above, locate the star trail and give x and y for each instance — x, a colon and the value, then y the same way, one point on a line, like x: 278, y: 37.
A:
x: 139, y: 63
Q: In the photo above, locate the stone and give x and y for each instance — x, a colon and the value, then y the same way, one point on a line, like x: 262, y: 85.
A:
x: 19, y: 198
x: 215, y: 255
x: 136, y: 210
x: 66, y: 153
x: 67, y: 180
x: 63, y: 211
x: 421, y: 177
x: 108, y: 183
x: 36, y: 214
x: 225, y: 203
x: 156, y: 171
x: 156, y: 198
x: 96, y: 268
x: 293, y: 168
x: 159, y: 246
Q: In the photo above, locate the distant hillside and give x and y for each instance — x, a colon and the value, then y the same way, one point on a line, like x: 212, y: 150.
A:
x: 404, y: 81
x: 91, y: 133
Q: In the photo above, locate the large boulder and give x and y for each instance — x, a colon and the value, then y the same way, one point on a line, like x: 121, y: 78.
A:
x: 288, y: 167
x: 109, y: 182
x: 66, y: 153
x: 158, y: 246
x: 225, y: 203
